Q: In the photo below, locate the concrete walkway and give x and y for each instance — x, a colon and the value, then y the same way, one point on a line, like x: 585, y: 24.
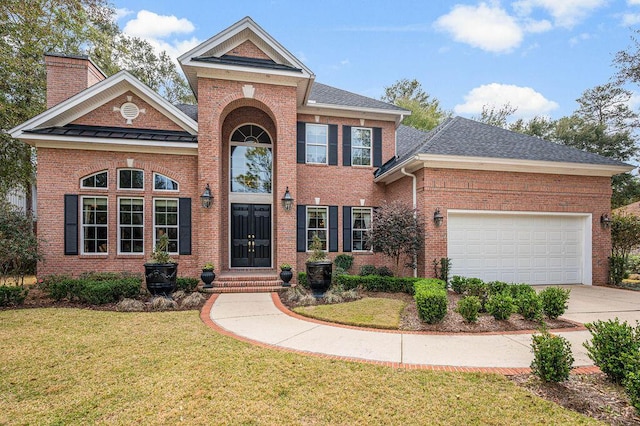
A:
x: 256, y: 318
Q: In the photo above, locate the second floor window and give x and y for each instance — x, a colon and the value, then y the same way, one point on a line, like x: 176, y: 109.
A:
x: 317, y: 136
x: 360, y: 146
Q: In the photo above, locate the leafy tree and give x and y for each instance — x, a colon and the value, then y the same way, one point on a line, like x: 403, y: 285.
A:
x: 607, y: 105
x: 625, y: 234
x: 538, y: 126
x: 496, y: 116
x: 593, y: 137
x: 397, y: 230
x: 408, y: 94
x: 20, y: 249
x: 626, y: 189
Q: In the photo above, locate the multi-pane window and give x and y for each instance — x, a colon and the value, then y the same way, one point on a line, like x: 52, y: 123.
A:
x: 96, y: 180
x: 131, y: 225
x: 317, y: 225
x: 251, y: 160
x: 165, y: 222
x: 360, y: 224
x: 163, y: 183
x: 94, y: 225
x: 361, y: 146
x: 317, y: 136
x: 130, y: 179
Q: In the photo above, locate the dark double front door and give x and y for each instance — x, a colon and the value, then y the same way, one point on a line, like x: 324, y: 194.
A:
x: 250, y: 235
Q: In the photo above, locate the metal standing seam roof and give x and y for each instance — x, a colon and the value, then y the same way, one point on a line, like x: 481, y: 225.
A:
x: 463, y: 137
x: 117, y: 133
x: 246, y: 62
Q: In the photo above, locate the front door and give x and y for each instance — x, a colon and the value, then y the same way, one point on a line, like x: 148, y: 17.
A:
x: 250, y: 235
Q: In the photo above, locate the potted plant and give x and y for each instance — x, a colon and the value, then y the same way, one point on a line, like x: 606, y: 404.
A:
x: 207, y: 275
x: 285, y: 274
x: 161, y: 270
x: 319, y: 268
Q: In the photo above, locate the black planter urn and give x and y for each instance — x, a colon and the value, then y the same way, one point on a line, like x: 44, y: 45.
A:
x: 285, y: 276
x: 319, y: 276
x: 161, y: 277
x: 207, y: 277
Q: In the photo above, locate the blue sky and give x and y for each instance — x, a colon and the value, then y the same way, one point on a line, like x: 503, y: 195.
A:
x: 538, y: 55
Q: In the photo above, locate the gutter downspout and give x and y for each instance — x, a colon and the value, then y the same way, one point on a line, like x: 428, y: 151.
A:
x: 415, y: 206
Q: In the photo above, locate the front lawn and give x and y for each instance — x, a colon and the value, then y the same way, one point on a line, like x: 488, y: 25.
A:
x: 375, y: 312
x: 77, y: 366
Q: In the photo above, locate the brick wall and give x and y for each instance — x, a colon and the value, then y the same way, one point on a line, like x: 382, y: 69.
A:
x: 68, y: 76
x: 248, y: 50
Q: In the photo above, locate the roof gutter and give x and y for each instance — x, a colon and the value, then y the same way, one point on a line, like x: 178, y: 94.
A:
x: 415, y: 206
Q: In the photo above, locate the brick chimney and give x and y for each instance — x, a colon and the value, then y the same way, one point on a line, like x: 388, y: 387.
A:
x: 68, y: 75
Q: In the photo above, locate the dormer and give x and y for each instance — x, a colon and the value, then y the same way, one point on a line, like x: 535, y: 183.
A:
x: 245, y: 52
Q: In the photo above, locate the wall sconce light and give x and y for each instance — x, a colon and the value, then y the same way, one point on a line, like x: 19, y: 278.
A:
x: 287, y: 200
x: 206, y: 198
x: 437, y: 217
x: 605, y: 220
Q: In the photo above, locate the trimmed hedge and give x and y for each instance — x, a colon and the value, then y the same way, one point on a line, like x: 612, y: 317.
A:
x: 94, y: 292
x: 468, y: 307
x: 12, y: 295
x: 614, y: 347
x: 187, y: 284
x: 376, y: 283
x: 552, y: 357
x: 554, y: 301
x: 431, y: 299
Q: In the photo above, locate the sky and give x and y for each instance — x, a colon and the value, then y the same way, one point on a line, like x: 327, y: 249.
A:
x: 537, y: 55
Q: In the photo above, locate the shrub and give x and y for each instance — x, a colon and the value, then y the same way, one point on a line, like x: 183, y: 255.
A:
x: 495, y: 287
x: 632, y: 388
x: 130, y: 305
x: 458, y: 284
x: 441, y: 268
x: 431, y: 299
x: 500, y: 306
x: 529, y: 305
x: 12, y: 295
x: 633, y: 264
x: 94, y: 292
x: 518, y: 290
x: 554, y: 301
x: 367, y: 270
x: 192, y: 301
x: 187, y: 284
x: 377, y: 283
x: 161, y: 303
x: 477, y: 287
x: 384, y: 271
x: 614, y: 347
x: 552, y: 358
x: 617, y: 270
x: 45, y: 282
x: 344, y: 261
x: 302, y: 279
x: 468, y: 307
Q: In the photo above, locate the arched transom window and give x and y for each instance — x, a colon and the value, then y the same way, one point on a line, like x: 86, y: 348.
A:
x: 251, y: 160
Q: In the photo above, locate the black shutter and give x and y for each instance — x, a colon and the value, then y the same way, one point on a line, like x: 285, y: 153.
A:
x: 377, y: 147
x: 302, y: 143
x: 346, y: 145
x: 184, y: 227
x: 346, y: 228
x: 70, y: 224
x: 333, y: 228
x: 333, y: 144
x: 301, y: 232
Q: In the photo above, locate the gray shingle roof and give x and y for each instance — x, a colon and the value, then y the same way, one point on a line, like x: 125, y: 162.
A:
x: 323, y: 94
x: 459, y: 136
x: 189, y: 109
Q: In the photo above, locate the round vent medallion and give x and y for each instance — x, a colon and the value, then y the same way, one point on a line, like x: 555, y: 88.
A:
x: 129, y: 111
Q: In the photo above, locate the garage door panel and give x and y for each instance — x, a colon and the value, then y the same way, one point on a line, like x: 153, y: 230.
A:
x: 536, y: 249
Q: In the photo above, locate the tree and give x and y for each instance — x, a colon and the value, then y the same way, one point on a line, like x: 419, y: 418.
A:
x: 625, y: 237
x: 408, y: 94
x: 590, y: 136
x: 20, y: 249
x: 496, y: 116
x: 538, y: 126
x: 397, y: 230
x: 607, y: 105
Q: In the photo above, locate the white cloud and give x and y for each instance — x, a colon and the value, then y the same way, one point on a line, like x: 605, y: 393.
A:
x: 566, y: 13
x: 633, y: 2
x: 151, y: 25
x: 532, y: 26
x: 580, y: 37
x: 121, y: 13
x: 489, y: 28
x: 629, y: 19
x: 528, y: 102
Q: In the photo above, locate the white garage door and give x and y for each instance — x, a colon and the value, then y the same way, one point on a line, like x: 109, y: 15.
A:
x: 519, y: 248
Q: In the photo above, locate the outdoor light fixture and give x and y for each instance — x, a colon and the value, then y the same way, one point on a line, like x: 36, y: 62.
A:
x: 605, y: 220
x: 206, y: 198
x: 287, y: 200
x: 437, y: 217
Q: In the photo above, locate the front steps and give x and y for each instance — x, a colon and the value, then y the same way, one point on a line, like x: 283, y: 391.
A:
x: 246, y: 281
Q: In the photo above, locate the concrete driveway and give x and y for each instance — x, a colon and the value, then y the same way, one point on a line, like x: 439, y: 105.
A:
x: 591, y: 303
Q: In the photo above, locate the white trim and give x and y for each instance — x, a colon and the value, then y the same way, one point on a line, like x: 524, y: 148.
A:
x: 307, y: 143
x: 176, y: 226
x: 107, y: 144
x: 370, y: 148
x: 306, y: 226
x: 119, y: 188
x: 269, y: 146
x: 587, y: 223
x: 314, y: 108
x: 95, y: 188
x: 131, y: 253
x: 370, y: 209
x: 153, y: 178
x: 82, y: 226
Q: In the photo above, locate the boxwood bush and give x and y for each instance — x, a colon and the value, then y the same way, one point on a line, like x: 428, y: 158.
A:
x: 468, y: 307
x: 501, y: 306
x: 554, y: 301
x: 187, y: 284
x: 95, y: 292
x: 552, y: 358
x: 431, y: 299
x: 458, y: 284
x: 529, y: 305
x: 12, y: 295
x: 614, y: 348
x: 377, y: 283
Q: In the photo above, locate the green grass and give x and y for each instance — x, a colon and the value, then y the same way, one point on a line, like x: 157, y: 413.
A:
x: 376, y: 312
x: 76, y: 366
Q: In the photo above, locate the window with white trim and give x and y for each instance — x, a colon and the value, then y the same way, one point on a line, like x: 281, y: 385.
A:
x: 317, y: 137
x: 164, y: 183
x: 361, y: 138
x: 165, y: 222
x: 95, y: 181
x: 94, y: 225
x: 360, y: 225
x: 317, y: 224
x: 130, y: 179
x: 130, y: 225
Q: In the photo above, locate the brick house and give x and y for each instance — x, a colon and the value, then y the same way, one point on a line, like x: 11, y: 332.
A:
x: 118, y: 165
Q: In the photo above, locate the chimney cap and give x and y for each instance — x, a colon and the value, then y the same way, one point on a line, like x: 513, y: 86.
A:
x: 78, y: 56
